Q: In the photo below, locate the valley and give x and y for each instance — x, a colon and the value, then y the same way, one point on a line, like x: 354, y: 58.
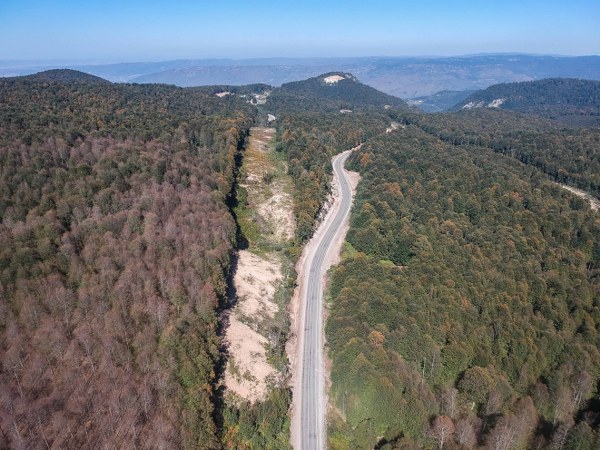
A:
x: 171, y: 270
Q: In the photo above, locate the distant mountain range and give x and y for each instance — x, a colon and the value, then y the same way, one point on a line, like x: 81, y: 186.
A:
x: 406, y: 78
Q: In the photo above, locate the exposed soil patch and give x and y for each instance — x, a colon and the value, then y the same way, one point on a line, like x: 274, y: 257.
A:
x: 333, y: 79
x: 269, y: 188
x: 248, y: 372
x: 393, y: 126
x: 266, y: 218
x: 255, y: 280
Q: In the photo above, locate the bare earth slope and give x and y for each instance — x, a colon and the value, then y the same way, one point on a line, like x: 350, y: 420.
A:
x: 258, y: 274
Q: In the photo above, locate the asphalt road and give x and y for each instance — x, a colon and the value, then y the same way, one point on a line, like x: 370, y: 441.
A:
x: 312, y: 410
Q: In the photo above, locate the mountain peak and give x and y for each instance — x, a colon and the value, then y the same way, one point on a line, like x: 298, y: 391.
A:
x: 331, y: 91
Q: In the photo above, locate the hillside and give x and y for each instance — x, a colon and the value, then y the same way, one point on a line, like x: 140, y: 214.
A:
x: 116, y: 247
x: 465, y: 309
x: 330, y: 92
x: 570, y: 100
x: 569, y: 156
x: 65, y: 75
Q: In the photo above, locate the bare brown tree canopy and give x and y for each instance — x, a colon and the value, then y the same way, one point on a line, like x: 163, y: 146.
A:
x: 116, y: 241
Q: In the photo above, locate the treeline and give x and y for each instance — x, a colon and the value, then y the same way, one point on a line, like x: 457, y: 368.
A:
x: 569, y: 156
x: 466, y: 312
x: 309, y: 141
x: 116, y: 244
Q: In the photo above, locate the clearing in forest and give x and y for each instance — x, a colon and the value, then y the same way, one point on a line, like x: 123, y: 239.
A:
x: 257, y: 325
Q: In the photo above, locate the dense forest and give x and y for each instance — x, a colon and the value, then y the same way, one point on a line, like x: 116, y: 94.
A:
x: 308, y: 141
x: 465, y: 313
x: 114, y: 211
x: 116, y: 247
x: 466, y: 310
x: 569, y: 100
x: 569, y: 156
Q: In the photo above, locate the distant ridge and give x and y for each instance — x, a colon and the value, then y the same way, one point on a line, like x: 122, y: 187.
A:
x: 407, y: 77
x: 570, y: 100
x: 404, y: 77
x: 66, y: 75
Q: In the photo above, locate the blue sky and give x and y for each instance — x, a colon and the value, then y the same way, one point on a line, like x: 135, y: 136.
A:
x: 119, y: 30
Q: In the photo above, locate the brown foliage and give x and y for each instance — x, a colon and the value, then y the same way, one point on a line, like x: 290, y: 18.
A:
x: 442, y: 429
x: 112, y: 262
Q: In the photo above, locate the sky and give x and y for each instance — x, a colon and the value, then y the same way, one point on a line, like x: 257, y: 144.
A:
x: 150, y: 30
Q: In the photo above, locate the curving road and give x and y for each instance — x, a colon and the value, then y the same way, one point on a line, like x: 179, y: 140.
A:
x: 309, y: 421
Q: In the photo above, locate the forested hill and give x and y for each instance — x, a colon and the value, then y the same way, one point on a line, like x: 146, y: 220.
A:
x: 465, y: 310
x: 70, y: 104
x: 567, y: 155
x: 65, y: 75
x: 465, y: 314
x: 570, y: 100
x: 331, y: 92
x: 116, y: 243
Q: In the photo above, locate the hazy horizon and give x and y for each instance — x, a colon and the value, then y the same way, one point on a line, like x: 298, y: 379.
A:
x: 274, y: 58
x: 112, y: 32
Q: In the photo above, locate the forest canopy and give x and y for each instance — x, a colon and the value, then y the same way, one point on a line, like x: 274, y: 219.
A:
x: 465, y: 311
x: 467, y: 308
x: 573, y: 101
x: 116, y: 247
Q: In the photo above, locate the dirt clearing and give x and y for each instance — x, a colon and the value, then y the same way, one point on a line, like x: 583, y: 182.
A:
x: 248, y: 372
x: 267, y: 221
